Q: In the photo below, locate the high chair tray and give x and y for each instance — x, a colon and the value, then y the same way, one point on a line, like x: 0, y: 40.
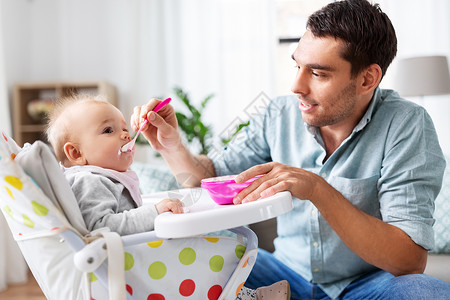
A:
x: 203, y: 215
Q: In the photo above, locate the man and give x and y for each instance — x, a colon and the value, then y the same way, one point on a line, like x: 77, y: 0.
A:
x: 363, y: 165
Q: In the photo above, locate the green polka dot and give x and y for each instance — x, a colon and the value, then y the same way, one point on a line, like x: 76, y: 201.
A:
x: 157, y: 270
x: 187, y: 256
x: 129, y: 261
x: 93, y: 277
x: 8, y: 210
x: 239, y: 250
x: 27, y: 221
x: 39, y: 209
x: 216, y: 263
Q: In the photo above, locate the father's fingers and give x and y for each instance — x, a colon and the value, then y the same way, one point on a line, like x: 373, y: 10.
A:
x: 254, y: 171
x: 135, y: 119
x: 149, y: 107
x: 262, y: 187
x: 156, y: 120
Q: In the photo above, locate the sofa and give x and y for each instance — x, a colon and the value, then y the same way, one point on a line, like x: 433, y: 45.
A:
x: 156, y: 178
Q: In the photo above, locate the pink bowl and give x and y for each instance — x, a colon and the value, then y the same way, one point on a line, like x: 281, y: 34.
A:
x: 223, y: 189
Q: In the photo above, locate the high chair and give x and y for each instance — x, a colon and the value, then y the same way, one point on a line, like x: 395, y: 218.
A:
x: 178, y: 260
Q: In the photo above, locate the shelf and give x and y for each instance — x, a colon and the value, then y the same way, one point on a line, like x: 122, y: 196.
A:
x: 32, y: 128
x: 27, y: 129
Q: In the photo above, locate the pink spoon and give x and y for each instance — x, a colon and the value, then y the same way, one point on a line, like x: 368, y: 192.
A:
x: 128, y: 146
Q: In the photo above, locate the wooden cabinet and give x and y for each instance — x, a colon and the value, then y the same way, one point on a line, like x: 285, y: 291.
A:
x: 29, y: 127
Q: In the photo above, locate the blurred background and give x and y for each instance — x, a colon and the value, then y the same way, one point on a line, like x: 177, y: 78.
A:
x: 236, y: 51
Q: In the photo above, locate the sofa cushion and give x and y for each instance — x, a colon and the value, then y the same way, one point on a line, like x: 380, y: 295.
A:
x: 154, y: 178
x: 442, y: 215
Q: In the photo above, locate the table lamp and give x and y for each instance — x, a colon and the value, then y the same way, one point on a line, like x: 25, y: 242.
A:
x: 422, y: 76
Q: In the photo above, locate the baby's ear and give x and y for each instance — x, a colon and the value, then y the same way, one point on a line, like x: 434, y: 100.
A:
x: 74, y: 154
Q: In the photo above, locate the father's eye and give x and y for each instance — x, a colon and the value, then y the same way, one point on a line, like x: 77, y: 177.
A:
x: 108, y: 130
x: 317, y: 74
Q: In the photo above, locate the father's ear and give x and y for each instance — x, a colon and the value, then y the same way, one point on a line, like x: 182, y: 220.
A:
x: 74, y: 154
x: 370, y: 79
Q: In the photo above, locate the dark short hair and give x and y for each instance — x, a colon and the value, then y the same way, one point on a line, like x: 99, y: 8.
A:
x: 367, y: 32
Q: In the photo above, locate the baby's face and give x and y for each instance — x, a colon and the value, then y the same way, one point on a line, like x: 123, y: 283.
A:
x: 99, y: 129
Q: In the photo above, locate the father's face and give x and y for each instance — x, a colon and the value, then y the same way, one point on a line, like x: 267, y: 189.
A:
x: 323, y: 84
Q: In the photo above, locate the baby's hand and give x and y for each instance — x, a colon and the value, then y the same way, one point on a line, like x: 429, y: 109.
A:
x: 173, y: 205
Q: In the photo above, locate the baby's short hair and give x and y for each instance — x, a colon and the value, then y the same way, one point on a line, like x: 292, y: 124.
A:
x: 58, y: 135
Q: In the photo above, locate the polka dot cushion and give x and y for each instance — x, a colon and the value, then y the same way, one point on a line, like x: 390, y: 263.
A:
x: 193, y: 268
x: 202, y: 267
x: 154, y: 178
x: 27, y: 210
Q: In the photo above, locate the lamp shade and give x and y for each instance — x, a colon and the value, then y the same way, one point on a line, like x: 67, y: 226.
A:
x: 422, y: 76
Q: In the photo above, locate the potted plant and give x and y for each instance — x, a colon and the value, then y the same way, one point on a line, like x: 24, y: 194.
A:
x: 192, y: 125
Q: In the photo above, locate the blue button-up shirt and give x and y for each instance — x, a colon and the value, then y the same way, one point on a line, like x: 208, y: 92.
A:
x: 390, y: 167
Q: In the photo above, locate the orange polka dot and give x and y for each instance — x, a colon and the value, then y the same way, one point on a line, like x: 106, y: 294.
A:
x: 239, y: 288
x: 245, y: 264
x: 13, y: 156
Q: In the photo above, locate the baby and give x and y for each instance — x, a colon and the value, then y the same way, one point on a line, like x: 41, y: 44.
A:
x: 87, y: 134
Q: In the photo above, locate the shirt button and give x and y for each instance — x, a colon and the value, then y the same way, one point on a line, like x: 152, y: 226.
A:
x: 324, y: 175
x: 316, y: 244
x: 316, y: 270
x: 314, y: 212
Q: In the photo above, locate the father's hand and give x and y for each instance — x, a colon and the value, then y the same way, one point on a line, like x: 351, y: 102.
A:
x: 162, y: 129
x: 277, y: 178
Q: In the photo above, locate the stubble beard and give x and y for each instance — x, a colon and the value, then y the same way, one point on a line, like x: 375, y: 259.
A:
x: 342, y: 106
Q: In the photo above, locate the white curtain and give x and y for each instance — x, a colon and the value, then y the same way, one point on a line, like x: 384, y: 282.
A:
x: 5, y: 124
x: 146, y: 48
x: 13, y: 268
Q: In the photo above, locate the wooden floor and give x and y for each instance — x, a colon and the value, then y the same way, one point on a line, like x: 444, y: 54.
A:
x: 27, y: 291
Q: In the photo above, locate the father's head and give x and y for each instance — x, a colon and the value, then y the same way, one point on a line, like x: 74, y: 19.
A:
x: 367, y: 32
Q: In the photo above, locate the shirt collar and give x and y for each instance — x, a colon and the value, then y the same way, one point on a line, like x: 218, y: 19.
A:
x: 376, y: 98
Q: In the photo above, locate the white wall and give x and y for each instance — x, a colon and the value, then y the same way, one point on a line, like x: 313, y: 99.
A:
x: 423, y: 28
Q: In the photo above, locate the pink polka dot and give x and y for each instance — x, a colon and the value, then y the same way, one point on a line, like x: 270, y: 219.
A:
x: 129, y: 290
x: 4, y: 137
x: 155, y: 297
x: 187, y: 287
x: 214, y: 292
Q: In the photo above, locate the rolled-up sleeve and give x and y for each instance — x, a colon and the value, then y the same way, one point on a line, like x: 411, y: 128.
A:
x: 411, y: 176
